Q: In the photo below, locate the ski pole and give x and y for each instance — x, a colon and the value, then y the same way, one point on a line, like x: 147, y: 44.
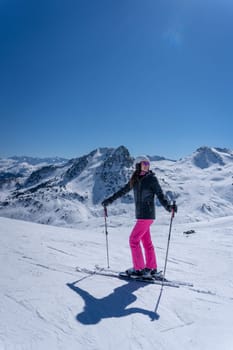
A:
x: 106, y: 234
x: 166, y: 258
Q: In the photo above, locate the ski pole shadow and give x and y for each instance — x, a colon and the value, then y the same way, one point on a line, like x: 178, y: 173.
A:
x: 112, y: 305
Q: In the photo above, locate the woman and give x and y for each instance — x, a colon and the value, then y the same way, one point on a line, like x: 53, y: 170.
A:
x: 145, y: 186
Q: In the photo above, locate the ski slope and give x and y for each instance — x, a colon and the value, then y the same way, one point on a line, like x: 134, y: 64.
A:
x: 46, y: 304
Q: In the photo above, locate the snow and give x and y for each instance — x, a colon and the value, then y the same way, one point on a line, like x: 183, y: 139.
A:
x: 67, y: 194
x: 46, y: 304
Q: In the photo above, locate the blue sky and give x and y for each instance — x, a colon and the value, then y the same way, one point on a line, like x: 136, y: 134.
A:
x: 153, y: 75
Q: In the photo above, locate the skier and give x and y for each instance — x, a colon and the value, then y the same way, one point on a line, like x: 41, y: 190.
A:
x: 145, y: 186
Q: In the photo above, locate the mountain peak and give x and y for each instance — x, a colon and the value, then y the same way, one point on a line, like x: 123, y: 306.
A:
x: 204, y: 157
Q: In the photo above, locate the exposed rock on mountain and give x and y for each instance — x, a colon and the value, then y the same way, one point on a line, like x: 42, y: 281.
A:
x: 65, y: 193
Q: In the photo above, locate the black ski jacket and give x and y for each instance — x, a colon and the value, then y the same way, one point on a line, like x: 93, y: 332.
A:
x: 145, y: 190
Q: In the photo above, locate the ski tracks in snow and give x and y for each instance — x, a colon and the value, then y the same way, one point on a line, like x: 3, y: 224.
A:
x: 42, y: 308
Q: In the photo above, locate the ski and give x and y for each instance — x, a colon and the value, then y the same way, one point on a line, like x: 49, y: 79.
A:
x: 180, y: 283
x: 115, y: 274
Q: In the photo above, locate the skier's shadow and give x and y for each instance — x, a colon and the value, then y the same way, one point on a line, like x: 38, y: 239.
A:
x: 112, y: 305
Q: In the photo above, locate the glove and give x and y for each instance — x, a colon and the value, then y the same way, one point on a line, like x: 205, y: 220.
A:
x: 171, y: 207
x: 106, y: 202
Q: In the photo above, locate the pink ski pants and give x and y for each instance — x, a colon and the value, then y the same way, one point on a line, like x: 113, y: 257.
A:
x: 140, y: 236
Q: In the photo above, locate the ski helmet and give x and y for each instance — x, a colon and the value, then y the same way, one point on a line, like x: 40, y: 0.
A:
x: 140, y: 159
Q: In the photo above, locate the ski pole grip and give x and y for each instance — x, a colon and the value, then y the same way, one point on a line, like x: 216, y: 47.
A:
x: 174, y: 209
x: 105, y: 212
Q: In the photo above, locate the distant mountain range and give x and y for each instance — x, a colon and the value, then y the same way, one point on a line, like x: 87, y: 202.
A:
x: 66, y: 192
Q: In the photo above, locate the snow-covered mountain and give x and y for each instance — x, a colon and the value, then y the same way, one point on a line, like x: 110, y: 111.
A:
x: 65, y: 193
x: 205, y: 157
x: 25, y: 165
x: 14, y: 170
x: 69, y: 192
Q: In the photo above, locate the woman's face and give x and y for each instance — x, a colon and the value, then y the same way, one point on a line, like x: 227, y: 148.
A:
x: 145, y: 166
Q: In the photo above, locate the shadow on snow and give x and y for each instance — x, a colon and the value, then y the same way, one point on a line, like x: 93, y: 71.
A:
x: 112, y: 305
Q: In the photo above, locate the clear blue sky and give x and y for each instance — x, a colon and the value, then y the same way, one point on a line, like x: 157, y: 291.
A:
x: 153, y: 75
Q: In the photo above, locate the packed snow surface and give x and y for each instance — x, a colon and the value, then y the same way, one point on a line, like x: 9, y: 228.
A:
x: 46, y: 304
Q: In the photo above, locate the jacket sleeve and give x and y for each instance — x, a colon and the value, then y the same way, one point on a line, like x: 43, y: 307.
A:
x: 120, y: 193
x: 159, y: 193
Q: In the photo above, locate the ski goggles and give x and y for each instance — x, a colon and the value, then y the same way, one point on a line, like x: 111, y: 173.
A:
x: 146, y: 163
